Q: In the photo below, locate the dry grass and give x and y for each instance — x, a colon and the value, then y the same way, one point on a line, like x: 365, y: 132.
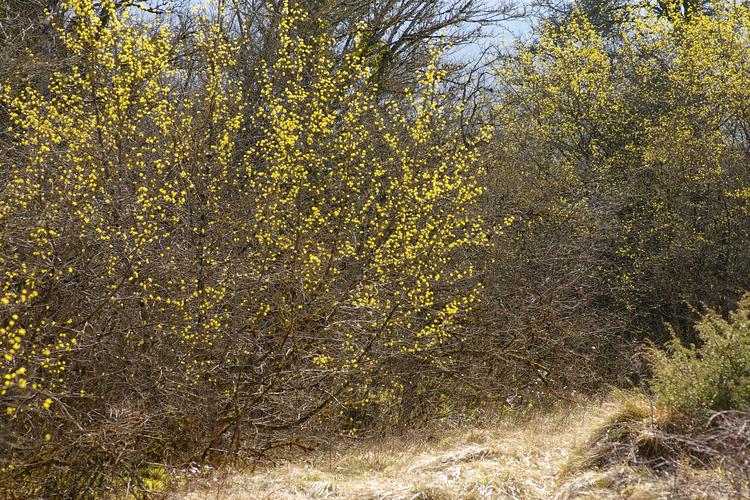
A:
x: 538, y: 457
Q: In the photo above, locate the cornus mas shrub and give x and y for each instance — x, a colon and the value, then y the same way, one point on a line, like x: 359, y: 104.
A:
x: 623, y: 158
x: 166, y: 297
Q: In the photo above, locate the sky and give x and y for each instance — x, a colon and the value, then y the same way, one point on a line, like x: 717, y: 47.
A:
x: 500, y: 36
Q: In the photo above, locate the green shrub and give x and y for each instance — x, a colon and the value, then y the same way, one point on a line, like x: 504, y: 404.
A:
x: 713, y: 376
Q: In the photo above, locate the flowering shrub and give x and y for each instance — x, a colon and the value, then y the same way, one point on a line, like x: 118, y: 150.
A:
x: 168, y: 296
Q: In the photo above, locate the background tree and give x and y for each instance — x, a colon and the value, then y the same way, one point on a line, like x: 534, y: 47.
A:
x: 617, y: 184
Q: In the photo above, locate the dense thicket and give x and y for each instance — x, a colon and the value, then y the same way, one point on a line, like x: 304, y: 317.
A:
x: 226, y: 229
x: 622, y: 162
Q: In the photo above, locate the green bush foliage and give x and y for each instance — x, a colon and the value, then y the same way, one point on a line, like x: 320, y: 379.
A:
x: 713, y: 375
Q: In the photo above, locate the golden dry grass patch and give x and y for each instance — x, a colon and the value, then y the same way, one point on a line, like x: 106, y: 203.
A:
x: 511, y: 458
x: 538, y: 457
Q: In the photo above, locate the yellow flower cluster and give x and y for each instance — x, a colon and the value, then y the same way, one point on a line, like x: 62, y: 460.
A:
x: 157, y: 230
